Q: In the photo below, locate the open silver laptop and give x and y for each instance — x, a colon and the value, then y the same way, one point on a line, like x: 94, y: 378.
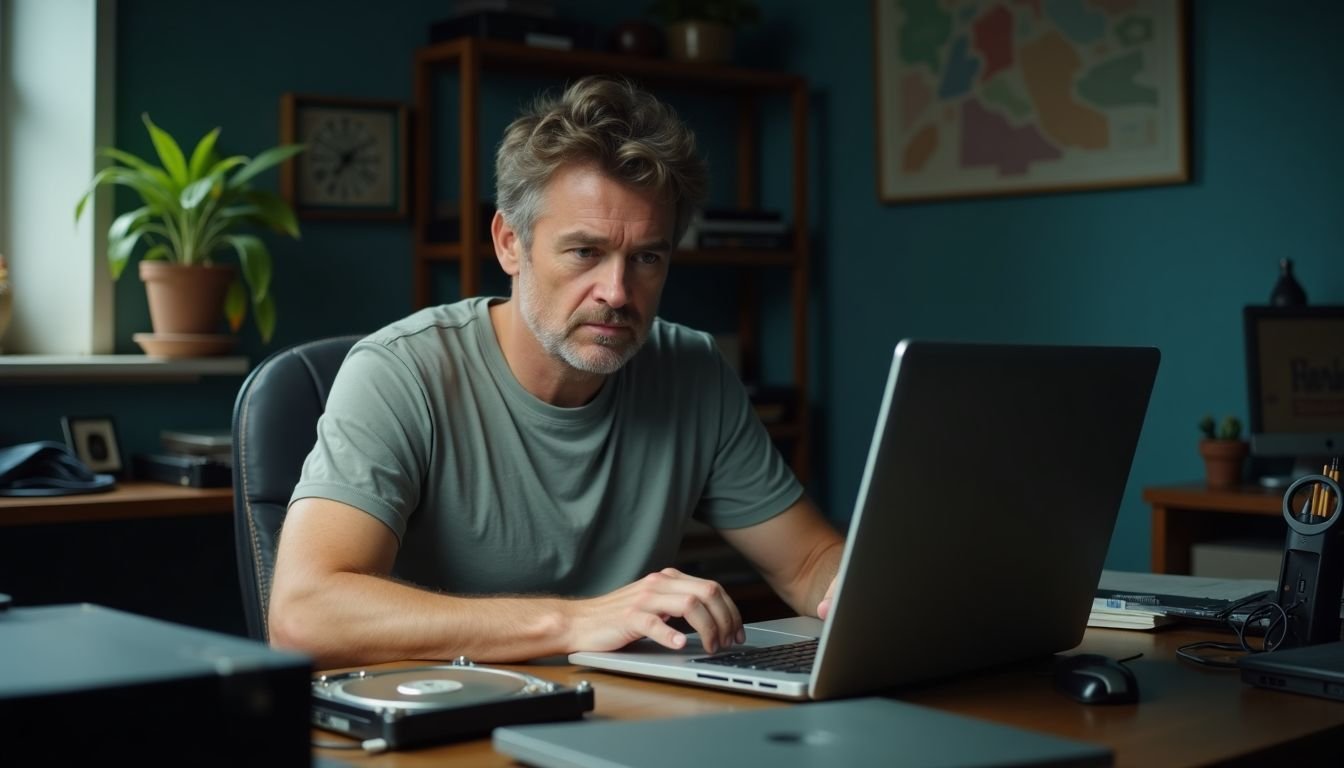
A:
x: 983, y: 517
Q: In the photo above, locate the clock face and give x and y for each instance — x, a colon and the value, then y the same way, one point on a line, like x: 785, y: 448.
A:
x: 351, y: 159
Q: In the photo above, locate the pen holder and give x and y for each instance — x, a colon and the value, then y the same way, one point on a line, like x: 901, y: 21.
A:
x: 1312, y: 574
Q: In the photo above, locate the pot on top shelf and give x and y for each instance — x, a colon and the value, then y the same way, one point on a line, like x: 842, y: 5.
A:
x: 702, y: 30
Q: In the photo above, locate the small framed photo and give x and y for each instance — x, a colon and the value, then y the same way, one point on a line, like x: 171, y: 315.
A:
x: 355, y: 164
x: 94, y: 441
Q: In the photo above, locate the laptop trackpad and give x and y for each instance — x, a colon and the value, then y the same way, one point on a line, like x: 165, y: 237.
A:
x: 763, y: 634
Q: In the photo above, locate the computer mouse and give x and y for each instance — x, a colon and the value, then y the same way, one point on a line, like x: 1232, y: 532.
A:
x: 1091, y: 678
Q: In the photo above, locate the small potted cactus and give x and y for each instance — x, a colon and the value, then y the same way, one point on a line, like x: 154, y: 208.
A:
x: 1223, y: 451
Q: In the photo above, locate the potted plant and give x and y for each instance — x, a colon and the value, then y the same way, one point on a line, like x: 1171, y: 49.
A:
x: 195, y: 213
x: 702, y: 30
x: 1223, y: 451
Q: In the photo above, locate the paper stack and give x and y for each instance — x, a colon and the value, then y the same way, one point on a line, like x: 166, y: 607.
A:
x: 1120, y: 614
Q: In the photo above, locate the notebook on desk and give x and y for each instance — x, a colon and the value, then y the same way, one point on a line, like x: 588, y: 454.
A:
x: 983, y: 517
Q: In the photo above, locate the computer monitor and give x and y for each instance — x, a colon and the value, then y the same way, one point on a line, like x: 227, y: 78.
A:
x: 1295, y: 379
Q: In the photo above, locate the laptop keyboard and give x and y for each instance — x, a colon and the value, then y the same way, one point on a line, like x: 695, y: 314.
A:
x: 792, y: 657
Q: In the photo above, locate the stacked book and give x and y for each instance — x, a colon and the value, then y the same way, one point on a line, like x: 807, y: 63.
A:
x: 531, y: 22
x: 195, y: 458
x: 1117, y: 613
x: 739, y: 228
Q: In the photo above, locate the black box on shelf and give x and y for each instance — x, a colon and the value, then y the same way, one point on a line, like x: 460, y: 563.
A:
x: 560, y: 34
x: 184, y: 470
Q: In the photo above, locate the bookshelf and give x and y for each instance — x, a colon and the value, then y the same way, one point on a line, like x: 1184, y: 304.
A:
x: 467, y: 59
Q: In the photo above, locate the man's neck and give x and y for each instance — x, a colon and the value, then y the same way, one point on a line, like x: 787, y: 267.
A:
x: 545, y: 378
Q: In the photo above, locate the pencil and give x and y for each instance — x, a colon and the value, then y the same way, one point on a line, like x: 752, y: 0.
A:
x: 1331, y: 472
x: 1317, y: 500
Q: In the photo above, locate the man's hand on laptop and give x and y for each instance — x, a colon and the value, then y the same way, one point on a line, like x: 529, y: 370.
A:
x: 642, y: 609
x: 824, y: 607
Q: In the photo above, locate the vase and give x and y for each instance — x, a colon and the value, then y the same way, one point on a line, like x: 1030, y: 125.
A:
x: 1223, y: 461
x: 1287, y: 291
x: 700, y: 41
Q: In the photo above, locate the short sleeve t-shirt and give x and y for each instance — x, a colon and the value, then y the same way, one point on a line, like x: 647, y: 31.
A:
x: 490, y: 490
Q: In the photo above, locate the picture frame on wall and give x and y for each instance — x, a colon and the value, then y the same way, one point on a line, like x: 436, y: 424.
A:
x: 991, y: 98
x: 94, y: 440
x: 355, y: 165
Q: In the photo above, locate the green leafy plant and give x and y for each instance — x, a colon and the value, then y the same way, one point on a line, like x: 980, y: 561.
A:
x: 1228, y: 429
x: 734, y: 13
x: 193, y: 213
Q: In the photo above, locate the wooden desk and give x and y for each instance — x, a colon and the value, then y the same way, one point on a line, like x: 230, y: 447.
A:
x: 1186, y: 715
x: 130, y: 500
x: 1186, y: 514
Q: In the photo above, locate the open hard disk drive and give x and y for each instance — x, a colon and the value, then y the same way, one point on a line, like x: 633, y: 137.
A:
x: 398, y: 708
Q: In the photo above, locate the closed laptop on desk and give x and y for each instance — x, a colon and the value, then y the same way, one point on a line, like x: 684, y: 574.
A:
x: 866, y: 732
x: 1315, y: 670
x: 985, y: 510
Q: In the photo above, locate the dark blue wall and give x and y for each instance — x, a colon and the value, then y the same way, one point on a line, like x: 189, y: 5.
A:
x: 1164, y: 266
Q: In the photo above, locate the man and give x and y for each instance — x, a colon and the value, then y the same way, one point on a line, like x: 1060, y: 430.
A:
x: 507, y: 480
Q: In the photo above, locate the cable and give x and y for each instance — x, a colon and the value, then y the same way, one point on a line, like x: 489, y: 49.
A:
x: 1259, y: 611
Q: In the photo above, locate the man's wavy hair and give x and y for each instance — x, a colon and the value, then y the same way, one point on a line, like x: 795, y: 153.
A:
x: 628, y: 133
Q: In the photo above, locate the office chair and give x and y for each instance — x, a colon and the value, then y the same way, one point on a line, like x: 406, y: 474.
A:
x: 274, y: 427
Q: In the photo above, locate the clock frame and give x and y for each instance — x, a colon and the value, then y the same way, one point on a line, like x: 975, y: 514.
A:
x: 355, y: 165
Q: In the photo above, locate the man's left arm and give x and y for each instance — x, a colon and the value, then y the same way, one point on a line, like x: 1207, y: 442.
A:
x: 798, y: 553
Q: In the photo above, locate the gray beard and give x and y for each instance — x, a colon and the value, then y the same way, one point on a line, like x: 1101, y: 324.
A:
x: 557, y: 342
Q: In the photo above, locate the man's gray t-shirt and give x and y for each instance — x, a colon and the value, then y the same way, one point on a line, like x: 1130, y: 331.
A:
x: 490, y: 490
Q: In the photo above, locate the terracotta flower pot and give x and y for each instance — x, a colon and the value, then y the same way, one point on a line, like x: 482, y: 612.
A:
x: 186, y: 299
x: 1223, y: 460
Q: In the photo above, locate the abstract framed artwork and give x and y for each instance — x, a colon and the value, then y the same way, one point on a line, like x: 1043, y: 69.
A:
x: 997, y: 97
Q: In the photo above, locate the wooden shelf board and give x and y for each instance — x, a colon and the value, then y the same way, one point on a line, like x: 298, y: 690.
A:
x: 116, y: 367
x: 506, y: 55
x: 130, y: 500
x: 726, y: 257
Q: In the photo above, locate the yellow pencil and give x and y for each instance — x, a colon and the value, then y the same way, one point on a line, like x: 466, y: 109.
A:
x: 1318, y: 495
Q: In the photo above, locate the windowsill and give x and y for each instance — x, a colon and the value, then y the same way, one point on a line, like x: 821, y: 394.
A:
x: 86, y: 368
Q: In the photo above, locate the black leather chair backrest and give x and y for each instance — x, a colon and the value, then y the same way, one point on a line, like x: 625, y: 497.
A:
x: 274, y: 428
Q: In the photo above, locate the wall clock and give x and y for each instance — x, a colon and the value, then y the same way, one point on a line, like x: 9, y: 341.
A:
x: 355, y: 165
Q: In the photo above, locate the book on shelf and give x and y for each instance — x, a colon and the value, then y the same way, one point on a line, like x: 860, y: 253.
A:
x: 751, y: 241
x: 538, y: 8
x: 739, y: 214
x: 214, y: 444
x: 537, y: 31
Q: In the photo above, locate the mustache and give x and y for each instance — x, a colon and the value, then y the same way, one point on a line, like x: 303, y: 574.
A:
x: 606, y: 316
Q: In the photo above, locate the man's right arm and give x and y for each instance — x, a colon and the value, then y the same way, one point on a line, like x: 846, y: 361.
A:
x: 332, y: 597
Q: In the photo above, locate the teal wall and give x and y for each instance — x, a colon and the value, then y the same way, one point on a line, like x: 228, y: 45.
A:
x: 1165, y: 266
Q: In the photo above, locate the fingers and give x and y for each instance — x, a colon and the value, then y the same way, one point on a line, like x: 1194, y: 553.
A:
x: 824, y: 607
x: 702, y: 603
x: 641, y: 609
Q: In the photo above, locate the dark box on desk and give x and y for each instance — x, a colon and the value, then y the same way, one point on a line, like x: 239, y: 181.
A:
x: 184, y: 470
x: 105, y: 682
